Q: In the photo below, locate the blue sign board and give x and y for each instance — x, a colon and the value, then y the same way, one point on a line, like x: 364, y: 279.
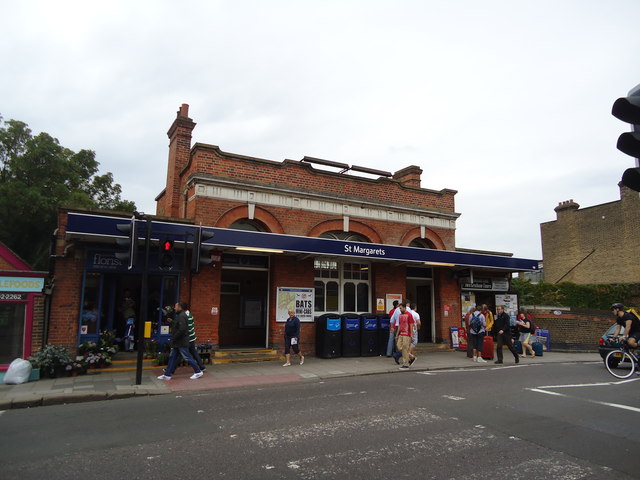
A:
x: 101, y: 226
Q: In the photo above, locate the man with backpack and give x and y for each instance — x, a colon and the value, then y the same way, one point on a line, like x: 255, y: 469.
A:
x: 630, y: 322
x: 477, y: 331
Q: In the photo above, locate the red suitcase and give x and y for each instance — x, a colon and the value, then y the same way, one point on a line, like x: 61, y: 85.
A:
x: 487, y: 348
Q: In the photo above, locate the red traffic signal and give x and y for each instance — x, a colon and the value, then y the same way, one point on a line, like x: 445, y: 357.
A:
x: 166, y: 245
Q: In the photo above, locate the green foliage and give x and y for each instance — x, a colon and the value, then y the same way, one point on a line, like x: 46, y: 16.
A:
x: 50, y: 359
x: 567, y: 294
x: 37, y: 175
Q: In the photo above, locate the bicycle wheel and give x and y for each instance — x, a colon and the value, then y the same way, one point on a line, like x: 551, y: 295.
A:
x: 625, y: 366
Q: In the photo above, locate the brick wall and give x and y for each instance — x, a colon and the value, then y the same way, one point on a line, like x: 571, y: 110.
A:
x: 572, y: 329
x: 599, y: 244
x: 65, y: 300
x: 37, y: 330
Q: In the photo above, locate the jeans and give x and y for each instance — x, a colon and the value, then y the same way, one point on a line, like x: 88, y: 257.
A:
x: 196, y: 356
x: 173, y: 360
x: 392, y: 337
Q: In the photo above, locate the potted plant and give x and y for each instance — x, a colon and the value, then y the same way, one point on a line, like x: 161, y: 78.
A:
x: 51, y: 360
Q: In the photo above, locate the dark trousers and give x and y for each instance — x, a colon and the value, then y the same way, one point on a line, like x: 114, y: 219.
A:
x: 504, y: 338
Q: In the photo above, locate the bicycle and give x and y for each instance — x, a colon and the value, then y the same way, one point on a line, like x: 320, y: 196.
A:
x: 617, y: 360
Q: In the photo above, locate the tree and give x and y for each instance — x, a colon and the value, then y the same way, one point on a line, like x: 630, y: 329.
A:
x: 37, y: 175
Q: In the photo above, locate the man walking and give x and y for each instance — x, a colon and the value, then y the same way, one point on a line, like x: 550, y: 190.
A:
x: 503, y: 334
x: 404, y: 332
x: 180, y: 343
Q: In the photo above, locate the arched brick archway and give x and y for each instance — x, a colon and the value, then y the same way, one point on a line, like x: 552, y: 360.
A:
x: 430, y: 237
x: 355, y: 227
x: 238, y: 213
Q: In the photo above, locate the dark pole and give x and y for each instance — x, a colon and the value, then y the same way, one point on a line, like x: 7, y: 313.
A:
x: 144, y: 300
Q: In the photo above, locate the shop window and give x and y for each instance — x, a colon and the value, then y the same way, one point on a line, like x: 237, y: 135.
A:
x: 90, y: 315
x: 12, y: 319
x: 319, y: 297
x: 332, y: 297
x: 326, y: 269
x: 362, y: 297
x: 349, y: 292
x: 349, y: 297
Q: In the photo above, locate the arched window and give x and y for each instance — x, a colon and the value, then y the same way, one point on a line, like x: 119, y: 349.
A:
x: 422, y: 243
x: 340, y: 235
x: 250, y: 225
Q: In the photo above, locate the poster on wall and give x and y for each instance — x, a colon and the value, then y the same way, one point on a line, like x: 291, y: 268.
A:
x: 299, y: 300
x: 390, y: 297
x: 510, y: 303
x: 467, y: 302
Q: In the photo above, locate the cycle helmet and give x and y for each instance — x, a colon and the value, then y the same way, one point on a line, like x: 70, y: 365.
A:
x: 618, y: 306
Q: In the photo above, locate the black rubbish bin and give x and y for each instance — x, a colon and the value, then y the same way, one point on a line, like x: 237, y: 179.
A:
x: 328, y: 335
x: 369, y: 335
x: 383, y: 334
x: 350, y: 335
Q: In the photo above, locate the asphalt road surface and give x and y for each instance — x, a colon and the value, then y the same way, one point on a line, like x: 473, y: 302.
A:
x: 553, y: 421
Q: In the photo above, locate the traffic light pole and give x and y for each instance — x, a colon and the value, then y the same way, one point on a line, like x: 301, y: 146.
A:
x: 144, y: 300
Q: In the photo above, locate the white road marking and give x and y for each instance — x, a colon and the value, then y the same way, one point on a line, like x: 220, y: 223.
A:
x: 599, y: 384
x: 400, y: 420
x: 453, y: 397
x: 449, y: 371
x: 546, y: 390
x: 343, y: 464
x: 617, y: 405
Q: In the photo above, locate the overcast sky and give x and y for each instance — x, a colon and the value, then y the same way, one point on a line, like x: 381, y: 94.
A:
x: 507, y: 102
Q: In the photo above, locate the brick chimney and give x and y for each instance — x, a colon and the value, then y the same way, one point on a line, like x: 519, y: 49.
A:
x: 179, y: 150
x: 409, y: 176
x: 566, y: 207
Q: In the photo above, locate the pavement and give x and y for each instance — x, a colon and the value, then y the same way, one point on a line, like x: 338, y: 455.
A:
x: 112, y: 385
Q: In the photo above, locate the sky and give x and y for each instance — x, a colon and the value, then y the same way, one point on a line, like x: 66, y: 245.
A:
x: 506, y: 101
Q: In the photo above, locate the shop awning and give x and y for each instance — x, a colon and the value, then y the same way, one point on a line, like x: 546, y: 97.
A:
x: 101, y: 228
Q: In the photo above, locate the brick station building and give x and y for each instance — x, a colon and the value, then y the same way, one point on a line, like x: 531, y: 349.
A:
x: 316, y: 235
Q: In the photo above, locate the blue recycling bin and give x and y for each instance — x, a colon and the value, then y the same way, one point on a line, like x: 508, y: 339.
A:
x: 350, y: 335
x: 369, y: 335
x: 383, y: 333
x: 329, y: 335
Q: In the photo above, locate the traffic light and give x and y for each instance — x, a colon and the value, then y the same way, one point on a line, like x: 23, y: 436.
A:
x: 627, y: 109
x: 201, y: 254
x: 130, y: 244
x: 166, y: 254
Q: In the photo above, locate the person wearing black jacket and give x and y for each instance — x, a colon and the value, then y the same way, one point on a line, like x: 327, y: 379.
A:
x: 503, y: 334
x: 180, y: 343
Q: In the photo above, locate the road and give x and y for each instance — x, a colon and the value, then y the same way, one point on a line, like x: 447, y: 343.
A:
x: 555, y: 421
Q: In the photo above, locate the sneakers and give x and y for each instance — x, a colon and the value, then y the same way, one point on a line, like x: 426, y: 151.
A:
x: 196, y: 375
x: 404, y: 367
x: 396, y: 357
x: 286, y: 364
x: 164, y: 377
x: 481, y: 360
x: 412, y: 360
x: 475, y: 359
x: 498, y: 361
x: 302, y: 360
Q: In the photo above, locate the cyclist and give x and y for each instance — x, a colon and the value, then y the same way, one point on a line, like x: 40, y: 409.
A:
x: 630, y: 322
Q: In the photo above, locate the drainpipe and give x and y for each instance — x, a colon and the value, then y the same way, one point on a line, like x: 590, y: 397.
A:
x: 49, y: 284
